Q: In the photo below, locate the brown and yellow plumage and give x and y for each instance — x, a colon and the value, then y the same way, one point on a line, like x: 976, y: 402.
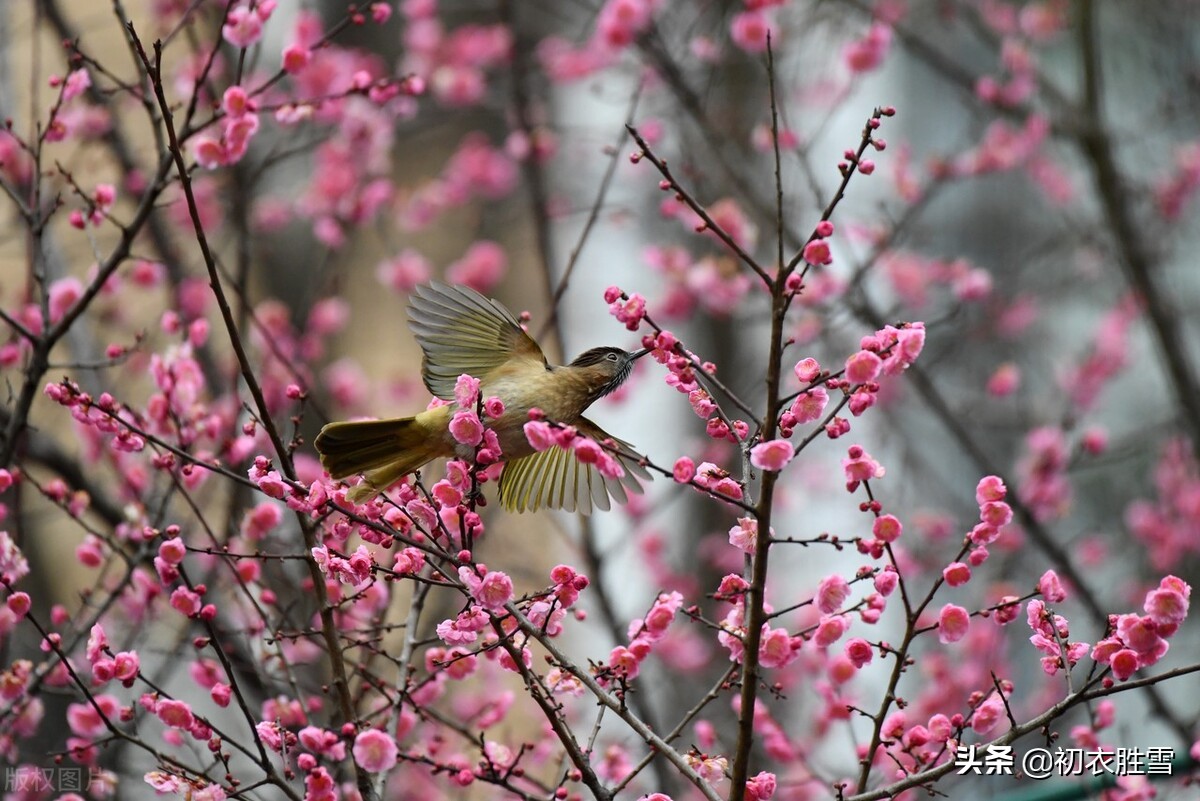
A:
x: 462, y: 332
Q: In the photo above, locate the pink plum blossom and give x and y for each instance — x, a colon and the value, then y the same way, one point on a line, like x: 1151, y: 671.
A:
x: 953, y: 622
x: 773, y: 455
x: 375, y: 751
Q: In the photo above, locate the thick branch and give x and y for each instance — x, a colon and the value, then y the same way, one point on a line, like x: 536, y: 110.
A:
x: 1136, y: 258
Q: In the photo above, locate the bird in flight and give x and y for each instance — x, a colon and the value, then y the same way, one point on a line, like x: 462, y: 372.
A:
x: 462, y: 332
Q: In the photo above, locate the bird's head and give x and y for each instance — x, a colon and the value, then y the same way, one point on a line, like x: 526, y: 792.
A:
x: 605, y: 368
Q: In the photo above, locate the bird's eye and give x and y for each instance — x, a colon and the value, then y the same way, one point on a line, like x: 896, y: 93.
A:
x: 612, y: 357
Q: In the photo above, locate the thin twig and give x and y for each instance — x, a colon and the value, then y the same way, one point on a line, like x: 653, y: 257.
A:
x: 710, y: 224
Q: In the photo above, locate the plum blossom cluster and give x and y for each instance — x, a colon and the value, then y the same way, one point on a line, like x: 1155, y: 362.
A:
x: 1165, y: 524
x: 411, y: 513
x: 99, y: 204
x: 354, y: 569
x: 285, y: 728
x: 13, y: 564
x: 682, y: 366
x: 466, y: 426
x: 543, y: 434
x: 94, y: 720
x: 167, y: 783
x: 773, y: 455
x: 889, y: 351
x: 1045, y: 485
x: 309, y: 500
x: 707, y: 477
x: 1133, y: 641
x: 475, y: 171
x: 1016, y: 83
x: 724, y: 215
x: 744, y: 534
x: 817, y: 252
x: 867, y: 53
x: 917, y: 745
x: 954, y: 621
x: 481, y: 268
x: 244, y: 23
x: 617, y: 26
x: 327, y: 85
x: 70, y: 118
x: 777, y: 646
x: 1136, y: 641
x: 912, y: 276
x: 1051, y: 633
x: 490, y: 592
x: 237, y: 128
x: 490, y: 588
x: 714, y: 284
x: 186, y: 599
x: 859, y: 466
x: 810, y: 403
x: 337, y: 680
x: 624, y: 662
x: 1005, y: 147
x: 895, y: 347
x: 340, y: 88
x: 628, y: 309
x: 994, y: 512
x: 456, y: 62
x: 174, y: 412
x: 1106, y: 358
x: 620, y: 23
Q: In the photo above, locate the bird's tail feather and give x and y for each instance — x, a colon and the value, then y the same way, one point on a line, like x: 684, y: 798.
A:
x: 384, y: 450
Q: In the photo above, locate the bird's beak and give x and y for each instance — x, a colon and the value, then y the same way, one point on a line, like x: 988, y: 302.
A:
x: 637, y: 354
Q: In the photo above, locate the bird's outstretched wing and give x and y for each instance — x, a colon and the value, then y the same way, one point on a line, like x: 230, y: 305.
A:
x: 461, y: 331
x: 555, y: 479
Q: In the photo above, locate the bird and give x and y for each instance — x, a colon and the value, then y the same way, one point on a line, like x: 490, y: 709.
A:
x: 462, y: 332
